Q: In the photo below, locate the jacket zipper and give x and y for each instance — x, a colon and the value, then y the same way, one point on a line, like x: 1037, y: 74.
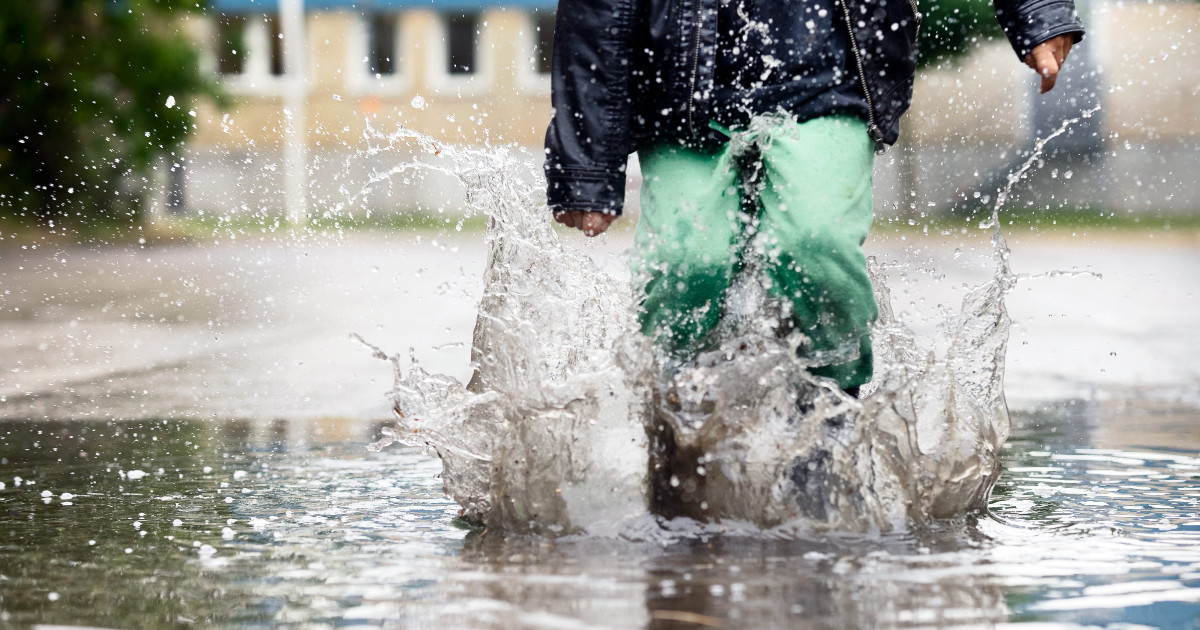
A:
x: 691, y: 97
x: 918, y: 16
x: 872, y: 129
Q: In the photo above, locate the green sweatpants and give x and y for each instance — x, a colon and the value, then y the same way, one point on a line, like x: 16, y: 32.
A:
x: 804, y: 191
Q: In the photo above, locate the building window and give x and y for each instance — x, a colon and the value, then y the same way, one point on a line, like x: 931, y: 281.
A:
x: 376, y: 61
x: 249, y: 46
x: 384, y: 49
x: 462, y: 43
x: 536, y: 50
x: 461, y: 53
x: 543, y: 42
x: 275, y: 43
x: 231, y: 44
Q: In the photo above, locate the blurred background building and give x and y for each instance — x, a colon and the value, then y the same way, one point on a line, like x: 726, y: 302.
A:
x: 460, y: 72
x: 471, y: 72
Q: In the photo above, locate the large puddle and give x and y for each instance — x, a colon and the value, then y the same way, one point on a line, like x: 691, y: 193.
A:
x: 292, y: 524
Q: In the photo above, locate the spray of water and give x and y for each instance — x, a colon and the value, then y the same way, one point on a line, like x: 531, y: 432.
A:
x: 570, y: 423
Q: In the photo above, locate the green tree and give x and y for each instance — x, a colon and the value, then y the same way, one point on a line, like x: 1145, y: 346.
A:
x: 952, y: 28
x: 84, y: 93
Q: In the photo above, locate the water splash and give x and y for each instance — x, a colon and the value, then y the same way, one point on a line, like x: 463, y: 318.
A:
x: 570, y: 423
x: 545, y: 436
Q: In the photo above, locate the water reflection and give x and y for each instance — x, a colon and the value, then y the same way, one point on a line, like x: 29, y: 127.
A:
x: 815, y: 585
x: 728, y: 582
x: 165, y: 524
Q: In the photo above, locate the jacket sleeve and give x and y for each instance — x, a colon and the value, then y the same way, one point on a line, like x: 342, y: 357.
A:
x: 588, y: 141
x: 1028, y: 23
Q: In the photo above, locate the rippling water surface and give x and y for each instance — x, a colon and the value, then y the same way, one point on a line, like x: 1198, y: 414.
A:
x: 1096, y: 521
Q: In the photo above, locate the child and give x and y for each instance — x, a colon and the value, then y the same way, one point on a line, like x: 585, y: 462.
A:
x: 750, y: 118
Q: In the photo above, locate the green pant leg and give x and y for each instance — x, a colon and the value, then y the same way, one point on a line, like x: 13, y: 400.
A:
x: 816, y: 213
x: 685, y: 242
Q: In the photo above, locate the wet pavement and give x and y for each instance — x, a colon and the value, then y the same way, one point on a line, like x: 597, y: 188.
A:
x: 260, y: 327
x: 244, y: 329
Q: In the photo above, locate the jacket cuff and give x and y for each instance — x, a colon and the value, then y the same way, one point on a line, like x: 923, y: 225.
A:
x: 587, y: 190
x: 1039, y: 22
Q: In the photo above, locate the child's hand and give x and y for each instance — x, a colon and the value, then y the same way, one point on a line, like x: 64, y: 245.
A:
x: 591, y: 223
x: 1047, y: 59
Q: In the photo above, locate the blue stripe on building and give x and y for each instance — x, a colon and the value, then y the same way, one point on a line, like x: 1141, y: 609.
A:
x: 255, y: 6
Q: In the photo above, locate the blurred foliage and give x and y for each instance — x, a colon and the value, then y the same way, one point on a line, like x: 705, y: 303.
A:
x: 206, y: 225
x: 952, y: 28
x: 84, y: 86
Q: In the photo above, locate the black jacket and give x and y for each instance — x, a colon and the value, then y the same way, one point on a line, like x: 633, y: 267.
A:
x: 629, y: 72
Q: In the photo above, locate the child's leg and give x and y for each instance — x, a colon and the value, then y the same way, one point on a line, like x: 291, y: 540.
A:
x: 816, y: 212
x: 685, y: 242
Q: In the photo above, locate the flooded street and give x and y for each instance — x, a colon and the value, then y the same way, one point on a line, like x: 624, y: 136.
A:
x: 183, y: 436
x: 222, y: 523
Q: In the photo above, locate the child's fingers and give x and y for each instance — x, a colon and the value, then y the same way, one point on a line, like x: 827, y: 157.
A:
x: 568, y: 219
x: 592, y: 223
x: 1047, y: 59
x: 1046, y: 65
x: 1063, y: 50
x: 595, y: 223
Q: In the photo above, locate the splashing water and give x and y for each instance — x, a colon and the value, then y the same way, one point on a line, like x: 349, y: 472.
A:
x: 569, y: 424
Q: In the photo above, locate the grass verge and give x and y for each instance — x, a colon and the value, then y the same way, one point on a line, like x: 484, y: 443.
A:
x: 207, y: 226
x: 1050, y: 222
